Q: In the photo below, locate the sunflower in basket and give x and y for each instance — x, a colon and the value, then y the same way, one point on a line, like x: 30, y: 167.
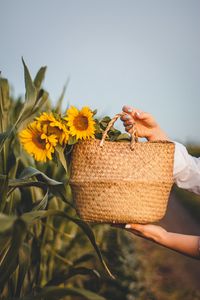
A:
x: 50, y: 133
x: 81, y: 123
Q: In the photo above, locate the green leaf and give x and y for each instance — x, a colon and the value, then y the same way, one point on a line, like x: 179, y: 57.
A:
x: 24, y: 262
x: 64, y: 192
x: 5, y: 130
x: 39, y: 77
x: 97, y: 126
x: 122, y: 137
x: 34, y: 99
x: 13, y: 183
x: 55, y: 187
x: 30, y: 172
x: 26, y: 181
x: 64, y: 276
x: 87, y: 230
x: 98, y: 135
x: 59, y: 293
x: 83, y: 258
x: 6, y: 222
x: 28, y: 115
x: 41, y: 204
x: 5, y: 239
x: 103, y: 125
x: 72, y: 140
x: 106, y: 119
x: 4, y: 136
x: 9, y: 263
x: 94, y: 112
x: 4, y: 104
x: 29, y: 85
x: 3, y: 191
x: 31, y: 217
x: 60, y: 154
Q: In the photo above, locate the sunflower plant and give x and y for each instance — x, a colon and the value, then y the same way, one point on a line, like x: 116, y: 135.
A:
x: 48, y: 136
x: 46, y: 250
x: 44, y: 245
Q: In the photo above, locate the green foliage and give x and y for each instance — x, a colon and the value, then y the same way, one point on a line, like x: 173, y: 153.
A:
x: 113, y: 134
x: 129, y: 284
x: 46, y: 250
x: 39, y: 226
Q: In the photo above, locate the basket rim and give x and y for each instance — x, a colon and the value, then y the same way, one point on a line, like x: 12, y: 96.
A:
x: 71, y: 181
x: 95, y: 140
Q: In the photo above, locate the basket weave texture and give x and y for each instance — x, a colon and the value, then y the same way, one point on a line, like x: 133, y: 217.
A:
x: 114, y: 184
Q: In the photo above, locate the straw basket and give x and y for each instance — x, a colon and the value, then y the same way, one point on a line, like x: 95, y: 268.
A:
x: 121, y: 182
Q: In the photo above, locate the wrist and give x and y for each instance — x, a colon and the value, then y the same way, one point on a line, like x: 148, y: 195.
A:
x: 157, y: 134
x: 165, y: 239
x: 161, y: 237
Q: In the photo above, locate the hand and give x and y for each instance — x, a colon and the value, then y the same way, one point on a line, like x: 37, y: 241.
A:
x: 146, y: 125
x: 185, y: 244
x: 151, y: 232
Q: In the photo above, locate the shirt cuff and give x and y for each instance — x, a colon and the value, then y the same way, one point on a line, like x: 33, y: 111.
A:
x: 180, y: 158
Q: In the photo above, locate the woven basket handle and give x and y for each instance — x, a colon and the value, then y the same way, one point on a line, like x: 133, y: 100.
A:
x: 134, y: 137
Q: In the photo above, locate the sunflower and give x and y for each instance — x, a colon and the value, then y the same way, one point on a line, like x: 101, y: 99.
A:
x: 52, y: 125
x: 81, y: 123
x: 37, y: 143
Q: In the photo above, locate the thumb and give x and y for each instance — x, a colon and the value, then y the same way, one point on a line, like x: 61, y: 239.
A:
x: 137, y: 227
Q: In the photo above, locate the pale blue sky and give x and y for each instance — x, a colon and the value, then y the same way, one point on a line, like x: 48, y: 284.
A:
x: 144, y: 53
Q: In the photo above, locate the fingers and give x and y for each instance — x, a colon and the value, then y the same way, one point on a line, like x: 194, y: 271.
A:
x: 128, y: 227
x: 129, y: 112
x: 128, y: 122
x: 134, y: 112
x: 127, y: 109
x: 128, y: 119
x: 142, y: 115
x: 137, y: 227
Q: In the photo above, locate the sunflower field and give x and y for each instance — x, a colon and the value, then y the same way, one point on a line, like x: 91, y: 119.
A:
x: 46, y: 250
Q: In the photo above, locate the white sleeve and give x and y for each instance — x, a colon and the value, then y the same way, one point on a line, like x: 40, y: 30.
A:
x: 186, y: 169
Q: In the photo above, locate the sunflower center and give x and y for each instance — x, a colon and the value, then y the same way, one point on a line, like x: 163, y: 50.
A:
x: 38, y: 142
x: 80, y: 122
x: 54, y: 130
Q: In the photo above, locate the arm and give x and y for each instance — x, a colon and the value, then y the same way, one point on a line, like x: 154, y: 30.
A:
x: 188, y: 245
x: 186, y: 175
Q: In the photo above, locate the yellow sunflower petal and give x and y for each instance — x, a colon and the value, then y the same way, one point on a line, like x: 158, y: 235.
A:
x: 37, y: 143
x: 81, y: 123
x: 54, y: 125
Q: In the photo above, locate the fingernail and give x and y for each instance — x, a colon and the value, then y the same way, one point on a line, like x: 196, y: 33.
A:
x: 128, y: 226
x: 137, y: 113
x: 129, y: 126
x: 127, y: 117
x: 127, y: 108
